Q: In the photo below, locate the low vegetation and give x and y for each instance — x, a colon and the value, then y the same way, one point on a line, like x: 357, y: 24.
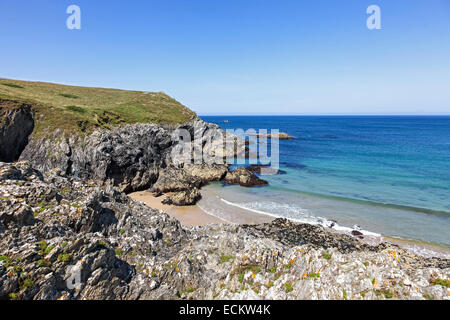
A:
x: 288, y: 287
x: 82, y: 109
x: 224, y: 258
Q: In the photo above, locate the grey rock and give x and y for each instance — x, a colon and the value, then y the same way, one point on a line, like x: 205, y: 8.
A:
x: 125, y: 250
x: 175, y: 179
x: 16, y: 125
x: 244, y: 178
x: 183, y: 198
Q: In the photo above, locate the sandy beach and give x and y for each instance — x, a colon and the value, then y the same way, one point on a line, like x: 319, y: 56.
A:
x: 196, y: 216
x: 193, y: 216
x: 188, y: 216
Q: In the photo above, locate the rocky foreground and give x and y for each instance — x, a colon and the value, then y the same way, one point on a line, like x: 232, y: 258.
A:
x: 64, y: 239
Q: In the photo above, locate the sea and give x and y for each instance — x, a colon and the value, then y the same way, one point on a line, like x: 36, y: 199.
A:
x: 382, y: 175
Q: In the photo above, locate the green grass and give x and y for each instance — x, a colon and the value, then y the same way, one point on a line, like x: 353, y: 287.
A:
x: 241, y: 276
x: 12, y: 85
x: 43, y: 245
x: 427, y: 296
x: 13, y: 296
x: 44, y: 263
x: 326, y: 256
x: 68, y: 95
x: 224, y: 258
x: 83, y: 109
x: 441, y: 282
x: 27, y: 283
x: 6, y: 261
x: 288, y: 287
x: 48, y: 249
x: 64, y: 257
x: 255, y: 269
x: 273, y: 269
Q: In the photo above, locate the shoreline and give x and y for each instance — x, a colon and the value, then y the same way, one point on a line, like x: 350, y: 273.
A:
x: 191, y: 216
x: 194, y: 216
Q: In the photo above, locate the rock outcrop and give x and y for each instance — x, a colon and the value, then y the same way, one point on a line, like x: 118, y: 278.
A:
x: 244, y: 178
x: 280, y: 136
x: 133, y: 157
x: 183, y: 198
x: 16, y: 125
x: 128, y: 157
x: 65, y: 239
x: 174, y: 179
x: 186, y: 181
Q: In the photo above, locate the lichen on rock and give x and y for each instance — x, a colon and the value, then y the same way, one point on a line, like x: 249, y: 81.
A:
x: 122, y: 249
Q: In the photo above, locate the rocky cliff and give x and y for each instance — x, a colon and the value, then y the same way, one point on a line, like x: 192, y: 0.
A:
x: 16, y: 125
x: 131, y: 157
x: 69, y: 231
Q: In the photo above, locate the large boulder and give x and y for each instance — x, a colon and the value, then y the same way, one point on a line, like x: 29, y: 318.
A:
x: 244, y: 178
x: 207, y: 173
x: 175, y: 179
x: 183, y: 198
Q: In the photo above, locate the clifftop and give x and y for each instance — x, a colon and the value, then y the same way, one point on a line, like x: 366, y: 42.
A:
x: 84, y: 109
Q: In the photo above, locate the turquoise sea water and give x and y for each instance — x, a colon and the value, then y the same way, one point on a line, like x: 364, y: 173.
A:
x: 389, y: 175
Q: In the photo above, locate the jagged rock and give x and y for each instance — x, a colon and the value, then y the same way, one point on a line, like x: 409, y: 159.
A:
x: 20, y: 171
x: 358, y: 234
x: 130, y: 157
x: 288, y: 232
x: 244, y: 178
x: 186, y: 181
x: 18, y: 215
x: 16, y: 125
x: 207, y: 173
x: 183, y: 198
x: 175, y: 179
x: 94, y: 242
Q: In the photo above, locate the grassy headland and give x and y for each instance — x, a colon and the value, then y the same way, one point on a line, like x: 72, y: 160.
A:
x: 82, y: 109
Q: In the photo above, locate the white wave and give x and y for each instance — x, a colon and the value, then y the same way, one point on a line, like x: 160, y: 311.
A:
x: 293, y: 213
x: 214, y: 214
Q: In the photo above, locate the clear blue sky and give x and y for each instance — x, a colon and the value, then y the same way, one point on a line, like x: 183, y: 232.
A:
x: 241, y: 56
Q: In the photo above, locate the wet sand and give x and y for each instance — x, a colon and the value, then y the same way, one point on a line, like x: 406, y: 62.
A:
x: 194, y: 216
x: 188, y: 216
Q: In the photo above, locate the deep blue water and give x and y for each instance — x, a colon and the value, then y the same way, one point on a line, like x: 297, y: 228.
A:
x: 381, y: 162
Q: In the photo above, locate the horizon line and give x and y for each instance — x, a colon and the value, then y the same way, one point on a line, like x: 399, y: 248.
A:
x: 324, y: 115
